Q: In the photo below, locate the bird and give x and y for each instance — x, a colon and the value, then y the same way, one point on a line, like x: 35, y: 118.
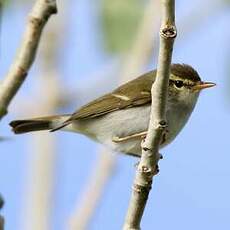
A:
x: 120, y: 119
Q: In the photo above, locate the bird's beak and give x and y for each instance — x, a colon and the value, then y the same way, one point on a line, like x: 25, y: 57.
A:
x: 203, y: 85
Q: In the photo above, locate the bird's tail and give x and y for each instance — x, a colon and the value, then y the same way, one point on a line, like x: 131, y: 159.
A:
x: 37, y: 124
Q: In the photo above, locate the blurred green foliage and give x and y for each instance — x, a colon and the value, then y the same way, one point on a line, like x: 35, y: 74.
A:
x: 120, y: 20
x: 4, y: 3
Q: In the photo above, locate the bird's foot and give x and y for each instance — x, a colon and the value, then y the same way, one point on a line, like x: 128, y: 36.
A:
x: 141, y: 135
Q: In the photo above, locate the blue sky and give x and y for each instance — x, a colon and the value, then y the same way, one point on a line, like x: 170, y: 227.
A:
x: 192, y: 189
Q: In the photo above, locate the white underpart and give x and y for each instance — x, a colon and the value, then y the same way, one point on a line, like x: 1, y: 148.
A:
x: 126, y: 122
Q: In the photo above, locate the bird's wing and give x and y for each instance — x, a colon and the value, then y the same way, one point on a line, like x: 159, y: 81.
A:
x: 135, y: 93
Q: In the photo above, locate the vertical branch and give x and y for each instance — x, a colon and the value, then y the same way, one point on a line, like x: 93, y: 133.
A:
x: 42, y: 147
x: 39, y: 15
x: 147, y: 167
x: 38, y: 197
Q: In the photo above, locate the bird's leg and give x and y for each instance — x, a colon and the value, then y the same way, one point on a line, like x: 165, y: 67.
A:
x: 142, y: 135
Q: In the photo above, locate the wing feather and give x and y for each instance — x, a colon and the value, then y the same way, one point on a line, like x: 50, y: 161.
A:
x: 120, y: 98
x: 134, y: 93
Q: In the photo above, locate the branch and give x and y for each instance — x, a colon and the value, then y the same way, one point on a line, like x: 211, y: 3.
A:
x: 147, y: 167
x: 39, y: 15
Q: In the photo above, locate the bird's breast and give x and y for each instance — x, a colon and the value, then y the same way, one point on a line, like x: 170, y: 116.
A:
x: 123, y: 123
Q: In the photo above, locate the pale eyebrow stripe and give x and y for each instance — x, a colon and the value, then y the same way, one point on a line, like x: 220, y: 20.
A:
x: 122, y: 97
x: 186, y: 82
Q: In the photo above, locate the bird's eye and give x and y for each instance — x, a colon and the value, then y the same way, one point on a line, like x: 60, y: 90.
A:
x: 178, y: 83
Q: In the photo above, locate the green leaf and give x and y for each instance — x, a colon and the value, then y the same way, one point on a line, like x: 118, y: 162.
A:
x: 120, y: 20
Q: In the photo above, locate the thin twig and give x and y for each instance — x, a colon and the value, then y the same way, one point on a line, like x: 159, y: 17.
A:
x: 39, y: 15
x: 147, y: 167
